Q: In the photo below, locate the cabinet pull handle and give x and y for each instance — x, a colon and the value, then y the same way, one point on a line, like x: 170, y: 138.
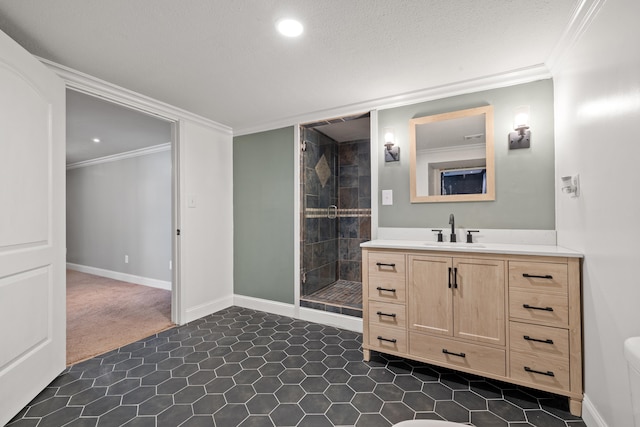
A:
x: 386, y: 314
x: 384, y: 264
x: 445, y: 351
x: 449, y: 277
x: 385, y: 289
x: 548, y: 373
x: 455, y: 277
x: 528, y: 338
x: 546, y: 276
x: 531, y: 307
x: 392, y: 340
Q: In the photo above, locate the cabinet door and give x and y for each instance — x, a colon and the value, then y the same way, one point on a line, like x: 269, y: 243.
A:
x: 429, y: 302
x: 479, y: 300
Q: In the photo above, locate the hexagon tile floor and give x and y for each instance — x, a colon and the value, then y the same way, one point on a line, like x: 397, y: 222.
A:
x: 241, y: 367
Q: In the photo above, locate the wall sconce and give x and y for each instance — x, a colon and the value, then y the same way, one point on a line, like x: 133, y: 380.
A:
x: 391, y: 152
x: 522, y: 137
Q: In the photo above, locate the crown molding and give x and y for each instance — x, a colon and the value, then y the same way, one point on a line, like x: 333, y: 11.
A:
x: 496, y: 81
x: 90, y: 85
x: 121, y: 156
x: 584, y: 13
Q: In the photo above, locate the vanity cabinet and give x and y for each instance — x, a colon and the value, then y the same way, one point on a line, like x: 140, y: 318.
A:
x: 515, y: 318
x: 457, y: 297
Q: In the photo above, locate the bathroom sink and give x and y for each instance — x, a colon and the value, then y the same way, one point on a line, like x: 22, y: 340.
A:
x: 449, y: 245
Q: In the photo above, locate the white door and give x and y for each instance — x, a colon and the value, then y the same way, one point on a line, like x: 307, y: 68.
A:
x: 32, y: 227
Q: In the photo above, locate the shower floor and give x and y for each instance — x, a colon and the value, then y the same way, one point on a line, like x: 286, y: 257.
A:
x: 342, y: 293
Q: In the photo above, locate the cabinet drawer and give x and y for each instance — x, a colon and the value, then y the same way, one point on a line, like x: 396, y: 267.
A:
x: 542, y: 340
x: 386, y: 273
x: 539, y: 370
x: 387, y: 339
x: 388, y: 315
x: 467, y: 356
x: 539, y: 308
x: 538, y: 276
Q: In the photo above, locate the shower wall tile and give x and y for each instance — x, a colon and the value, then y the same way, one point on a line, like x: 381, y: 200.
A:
x: 348, y: 154
x: 311, y: 230
x: 350, y: 270
x: 331, y: 250
x: 348, y: 176
x: 365, y: 228
x: 364, y: 202
x: 349, y: 227
x: 348, y: 198
x: 364, y: 186
x: 312, y: 201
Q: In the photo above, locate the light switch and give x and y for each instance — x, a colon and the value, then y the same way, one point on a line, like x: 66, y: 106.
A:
x: 387, y: 197
x: 191, y: 201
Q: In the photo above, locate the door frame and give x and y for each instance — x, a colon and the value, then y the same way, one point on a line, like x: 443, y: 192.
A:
x: 91, y: 86
x: 342, y: 321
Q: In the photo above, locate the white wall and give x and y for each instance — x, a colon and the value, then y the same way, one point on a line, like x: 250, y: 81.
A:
x: 597, y: 96
x: 206, y: 220
x: 118, y: 208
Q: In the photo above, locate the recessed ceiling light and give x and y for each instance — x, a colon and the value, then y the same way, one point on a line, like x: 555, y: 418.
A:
x: 96, y: 140
x: 289, y: 27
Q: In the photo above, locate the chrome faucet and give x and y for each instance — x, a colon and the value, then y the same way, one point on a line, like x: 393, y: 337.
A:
x: 453, y: 228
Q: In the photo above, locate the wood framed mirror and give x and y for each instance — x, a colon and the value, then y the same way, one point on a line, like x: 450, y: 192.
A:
x: 452, y: 157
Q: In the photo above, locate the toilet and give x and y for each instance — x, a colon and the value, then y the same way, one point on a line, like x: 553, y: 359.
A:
x: 632, y: 353
x: 427, y: 423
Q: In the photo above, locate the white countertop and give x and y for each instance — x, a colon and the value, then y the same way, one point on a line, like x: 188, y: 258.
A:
x: 490, y: 248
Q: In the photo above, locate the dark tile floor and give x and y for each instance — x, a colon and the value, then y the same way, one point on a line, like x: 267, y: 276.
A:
x: 241, y: 367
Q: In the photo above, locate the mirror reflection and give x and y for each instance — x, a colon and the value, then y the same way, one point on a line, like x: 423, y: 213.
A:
x: 452, y: 156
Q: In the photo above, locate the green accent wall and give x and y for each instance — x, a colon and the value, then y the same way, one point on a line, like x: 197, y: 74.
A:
x: 525, y: 191
x: 263, y: 217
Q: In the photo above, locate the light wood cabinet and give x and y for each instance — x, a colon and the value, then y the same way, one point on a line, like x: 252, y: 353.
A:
x: 457, y: 297
x: 515, y: 318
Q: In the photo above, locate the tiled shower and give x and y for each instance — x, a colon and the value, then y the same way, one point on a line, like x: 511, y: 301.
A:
x: 335, y: 218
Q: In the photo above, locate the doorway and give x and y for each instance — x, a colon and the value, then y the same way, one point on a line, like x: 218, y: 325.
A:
x: 335, y: 173
x: 119, y: 224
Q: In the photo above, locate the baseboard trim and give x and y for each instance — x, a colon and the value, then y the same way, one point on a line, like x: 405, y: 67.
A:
x: 124, y: 277
x: 275, y: 307
x: 290, y: 310
x: 207, y: 308
x: 341, y: 321
x: 590, y: 414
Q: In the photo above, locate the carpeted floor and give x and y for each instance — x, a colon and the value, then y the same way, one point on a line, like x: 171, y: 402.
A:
x: 104, y: 314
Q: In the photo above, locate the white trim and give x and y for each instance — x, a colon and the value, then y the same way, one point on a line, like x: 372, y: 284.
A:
x: 90, y: 85
x: 375, y: 152
x: 206, y: 309
x: 275, y: 307
x: 583, y: 15
x: 123, y: 277
x: 510, y: 78
x: 590, y: 415
x: 297, y: 152
x: 121, y: 156
x: 341, y: 321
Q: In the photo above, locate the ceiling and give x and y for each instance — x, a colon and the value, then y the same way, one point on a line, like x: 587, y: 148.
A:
x: 118, y: 128
x: 223, y: 59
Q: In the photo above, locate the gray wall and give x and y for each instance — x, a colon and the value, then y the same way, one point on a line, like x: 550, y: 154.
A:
x: 122, y: 208
x: 524, y: 178
x: 263, y: 199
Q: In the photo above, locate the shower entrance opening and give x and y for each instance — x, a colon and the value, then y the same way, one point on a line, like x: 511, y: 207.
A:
x: 335, y: 176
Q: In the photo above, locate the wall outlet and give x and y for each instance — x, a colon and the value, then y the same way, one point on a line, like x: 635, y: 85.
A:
x: 170, y: 265
x: 126, y: 259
